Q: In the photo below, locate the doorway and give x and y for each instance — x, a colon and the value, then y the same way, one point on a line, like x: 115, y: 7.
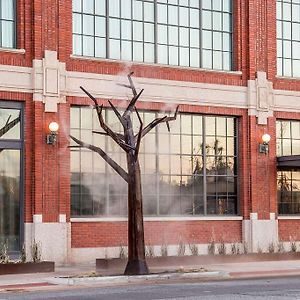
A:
x: 11, y: 175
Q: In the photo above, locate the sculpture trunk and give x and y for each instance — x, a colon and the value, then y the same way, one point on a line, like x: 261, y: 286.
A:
x: 136, y: 246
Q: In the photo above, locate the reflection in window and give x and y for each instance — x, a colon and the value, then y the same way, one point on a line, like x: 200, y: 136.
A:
x: 288, y: 192
x: 9, y: 123
x: 10, y: 198
x: 288, y: 183
x: 288, y: 38
x: 7, y: 23
x: 185, y: 33
x: 188, y: 171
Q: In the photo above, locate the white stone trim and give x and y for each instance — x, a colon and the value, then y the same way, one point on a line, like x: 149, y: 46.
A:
x: 12, y: 50
x: 169, y: 92
x: 62, y: 218
x: 49, y: 82
x: 160, y: 219
x: 286, y: 100
x: 15, y: 79
x: 130, y: 63
x: 38, y: 218
x: 288, y: 217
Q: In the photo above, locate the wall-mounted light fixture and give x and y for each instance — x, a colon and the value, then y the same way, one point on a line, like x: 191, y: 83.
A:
x: 264, y: 147
x: 52, y: 136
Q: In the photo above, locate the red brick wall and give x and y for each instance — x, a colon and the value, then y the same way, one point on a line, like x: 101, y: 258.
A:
x: 51, y: 164
x: 114, y: 234
x: 288, y: 230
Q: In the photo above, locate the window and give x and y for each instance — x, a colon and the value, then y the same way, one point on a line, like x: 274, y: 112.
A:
x: 191, y: 33
x: 288, y: 182
x: 288, y: 38
x: 7, y: 23
x: 11, y: 175
x: 190, y: 171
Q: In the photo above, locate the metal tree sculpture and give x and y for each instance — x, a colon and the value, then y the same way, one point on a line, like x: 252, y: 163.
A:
x: 130, y: 143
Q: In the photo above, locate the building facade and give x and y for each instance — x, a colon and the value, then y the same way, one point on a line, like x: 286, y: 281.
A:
x: 233, y: 67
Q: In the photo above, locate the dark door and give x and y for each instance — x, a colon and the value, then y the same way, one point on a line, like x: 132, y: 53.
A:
x: 11, y: 181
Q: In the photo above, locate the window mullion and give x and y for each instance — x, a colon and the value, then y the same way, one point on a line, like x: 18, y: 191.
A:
x: 204, y: 165
x: 107, y: 28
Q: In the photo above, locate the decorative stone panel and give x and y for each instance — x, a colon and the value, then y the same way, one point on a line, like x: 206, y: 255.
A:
x: 260, y: 98
x: 49, y: 81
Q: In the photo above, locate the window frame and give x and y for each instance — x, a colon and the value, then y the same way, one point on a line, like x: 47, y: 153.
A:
x: 226, y: 55
x: 181, y: 174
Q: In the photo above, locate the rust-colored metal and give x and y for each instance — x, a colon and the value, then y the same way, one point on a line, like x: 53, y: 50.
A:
x: 29, y: 267
x: 130, y: 143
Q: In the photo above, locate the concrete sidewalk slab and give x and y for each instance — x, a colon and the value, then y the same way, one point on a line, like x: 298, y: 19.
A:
x: 85, y: 274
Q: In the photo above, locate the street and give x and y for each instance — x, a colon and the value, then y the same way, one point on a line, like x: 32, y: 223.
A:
x: 272, y: 288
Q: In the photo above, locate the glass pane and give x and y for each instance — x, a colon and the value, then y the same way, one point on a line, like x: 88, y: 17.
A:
x: 76, y: 5
x: 77, y: 44
x: 149, y: 53
x: 10, y: 198
x: 184, y: 56
x: 8, y: 29
x: 194, y: 18
x: 173, y: 15
x: 183, y: 16
x: 88, y: 25
x: 114, y: 28
x: 162, y: 34
x: 148, y: 12
x: 114, y: 8
x: 126, y: 9
x: 100, y: 7
x: 126, y: 50
x: 9, y: 123
x: 77, y: 27
x: 100, y: 26
x: 162, y: 54
x: 173, y: 35
x: 88, y: 46
x: 184, y: 36
x: 7, y: 7
x: 100, y: 47
x: 114, y: 49
x: 138, y: 51
x: 149, y: 32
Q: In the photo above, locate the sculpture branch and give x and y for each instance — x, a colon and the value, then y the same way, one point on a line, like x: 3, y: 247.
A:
x: 157, y: 121
x: 121, y: 119
x: 132, y: 103
x: 104, y: 126
x: 109, y: 160
x: 121, y: 136
x: 131, y: 84
x: 139, y: 136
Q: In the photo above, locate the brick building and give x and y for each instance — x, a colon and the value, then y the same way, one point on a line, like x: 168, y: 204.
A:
x: 234, y: 68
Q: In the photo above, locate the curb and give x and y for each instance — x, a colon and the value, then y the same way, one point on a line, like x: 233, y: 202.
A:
x: 262, y: 274
x: 136, y: 279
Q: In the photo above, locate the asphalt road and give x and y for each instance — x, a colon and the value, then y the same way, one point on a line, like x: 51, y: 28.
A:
x: 273, y: 288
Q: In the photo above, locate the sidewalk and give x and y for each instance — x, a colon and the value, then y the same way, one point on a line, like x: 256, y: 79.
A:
x: 84, y: 275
